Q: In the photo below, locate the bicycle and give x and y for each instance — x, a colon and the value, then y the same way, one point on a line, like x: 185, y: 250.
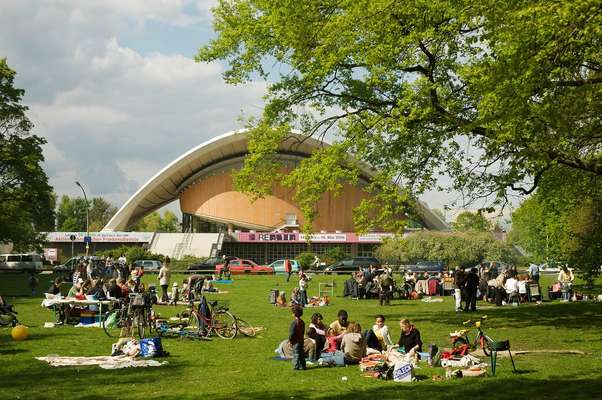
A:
x: 480, y: 340
x: 134, y: 313
x: 217, y: 319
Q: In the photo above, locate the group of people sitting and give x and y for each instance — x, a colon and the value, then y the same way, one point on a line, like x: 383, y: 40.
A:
x: 344, y: 338
x: 370, y: 282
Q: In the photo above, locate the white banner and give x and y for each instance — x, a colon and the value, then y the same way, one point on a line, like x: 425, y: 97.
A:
x: 114, y: 237
x: 324, y: 237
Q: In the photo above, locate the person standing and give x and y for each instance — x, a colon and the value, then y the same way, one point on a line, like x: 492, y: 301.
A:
x: 89, y: 269
x: 534, y: 273
x: 225, y: 267
x: 303, y: 289
x: 288, y: 268
x: 472, y: 285
x: 296, y: 334
x: 459, y: 283
x: 164, y: 276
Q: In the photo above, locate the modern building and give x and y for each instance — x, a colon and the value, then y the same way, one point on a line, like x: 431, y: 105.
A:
x: 266, y: 229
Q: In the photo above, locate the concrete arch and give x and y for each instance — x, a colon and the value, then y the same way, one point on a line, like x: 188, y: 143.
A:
x: 169, y: 183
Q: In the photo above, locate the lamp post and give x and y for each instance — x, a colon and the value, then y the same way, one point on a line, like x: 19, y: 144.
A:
x: 87, y: 217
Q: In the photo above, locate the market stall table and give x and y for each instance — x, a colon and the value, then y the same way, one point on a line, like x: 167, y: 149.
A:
x: 62, y: 302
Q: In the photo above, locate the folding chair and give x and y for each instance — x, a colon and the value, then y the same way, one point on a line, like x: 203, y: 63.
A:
x: 534, y: 292
x: 500, y: 346
x: 326, y: 289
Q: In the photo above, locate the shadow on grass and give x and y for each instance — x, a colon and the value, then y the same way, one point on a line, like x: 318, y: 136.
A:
x: 490, y: 387
x: 559, y: 315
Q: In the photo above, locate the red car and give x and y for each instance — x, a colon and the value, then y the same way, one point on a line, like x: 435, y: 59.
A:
x: 239, y: 266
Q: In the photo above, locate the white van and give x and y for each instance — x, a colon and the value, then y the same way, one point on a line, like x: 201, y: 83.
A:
x: 21, y: 262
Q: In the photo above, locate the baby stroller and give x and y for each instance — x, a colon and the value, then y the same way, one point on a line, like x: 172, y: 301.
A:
x: 8, y: 316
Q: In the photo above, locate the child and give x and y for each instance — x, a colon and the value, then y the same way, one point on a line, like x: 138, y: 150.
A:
x: 333, y: 340
x: 296, y: 299
x: 303, y: 288
x: 296, y: 338
x: 175, y: 294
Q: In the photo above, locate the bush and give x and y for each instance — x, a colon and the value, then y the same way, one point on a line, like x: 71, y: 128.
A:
x: 185, y: 262
x: 333, y: 255
x: 306, y: 259
x: 132, y: 253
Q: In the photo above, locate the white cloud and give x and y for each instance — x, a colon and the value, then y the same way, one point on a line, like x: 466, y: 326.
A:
x: 113, y: 115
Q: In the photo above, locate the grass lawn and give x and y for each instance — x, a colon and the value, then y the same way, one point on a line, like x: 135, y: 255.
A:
x: 243, y: 367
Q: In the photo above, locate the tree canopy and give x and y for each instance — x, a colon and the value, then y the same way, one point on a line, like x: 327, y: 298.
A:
x: 493, y: 93
x: 26, y: 199
x: 155, y: 222
x: 471, y: 221
x: 562, y: 221
x: 71, y: 214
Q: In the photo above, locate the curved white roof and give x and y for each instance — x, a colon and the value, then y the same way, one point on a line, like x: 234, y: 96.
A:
x: 166, y: 185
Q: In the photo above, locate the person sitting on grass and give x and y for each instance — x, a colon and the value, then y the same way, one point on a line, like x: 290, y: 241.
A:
x: 409, y: 340
x: 378, y: 338
x: 296, y: 299
x: 317, y: 331
x: 296, y: 338
x: 340, y: 325
x: 353, y: 344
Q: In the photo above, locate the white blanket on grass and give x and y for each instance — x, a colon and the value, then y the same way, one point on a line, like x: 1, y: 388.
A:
x: 105, y: 362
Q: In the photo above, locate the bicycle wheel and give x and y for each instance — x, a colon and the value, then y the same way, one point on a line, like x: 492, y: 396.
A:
x: 139, y: 321
x: 245, y: 328
x: 485, y: 343
x: 224, y: 324
x: 115, y: 324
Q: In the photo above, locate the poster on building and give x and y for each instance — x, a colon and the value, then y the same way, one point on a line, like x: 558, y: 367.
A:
x: 101, y: 237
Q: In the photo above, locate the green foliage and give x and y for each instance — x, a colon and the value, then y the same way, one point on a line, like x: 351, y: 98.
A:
x: 26, y: 200
x: 562, y: 221
x: 71, y: 214
x: 492, y: 93
x: 132, y: 253
x: 185, y: 262
x: 306, y: 259
x: 471, y: 221
x: 333, y: 255
x: 460, y: 248
x: 154, y: 222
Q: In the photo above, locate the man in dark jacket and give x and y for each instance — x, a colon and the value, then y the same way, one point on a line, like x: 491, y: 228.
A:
x: 472, y: 284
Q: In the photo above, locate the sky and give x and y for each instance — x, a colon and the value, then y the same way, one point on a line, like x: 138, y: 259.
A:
x: 113, y: 87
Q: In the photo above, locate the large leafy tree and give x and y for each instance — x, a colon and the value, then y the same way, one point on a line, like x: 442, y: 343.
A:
x: 493, y: 93
x: 71, y: 214
x: 562, y: 220
x: 26, y: 200
x: 155, y: 222
x: 471, y: 221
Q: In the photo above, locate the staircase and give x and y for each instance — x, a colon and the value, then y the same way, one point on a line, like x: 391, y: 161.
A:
x: 181, y: 247
x: 216, y: 247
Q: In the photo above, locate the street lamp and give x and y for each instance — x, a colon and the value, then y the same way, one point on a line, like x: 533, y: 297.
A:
x: 87, y: 217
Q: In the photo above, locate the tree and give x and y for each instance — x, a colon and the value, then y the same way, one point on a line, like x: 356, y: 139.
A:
x: 471, y: 221
x: 459, y: 248
x: 26, y: 200
x: 562, y: 220
x: 71, y: 214
x: 493, y: 93
x: 154, y: 222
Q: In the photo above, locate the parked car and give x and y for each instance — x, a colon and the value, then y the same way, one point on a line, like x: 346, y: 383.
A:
x: 149, y: 265
x: 206, y: 266
x: 70, y: 264
x: 239, y: 266
x: 21, y: 262
x: 352, y: 264
x: 278, y: 266
x: 551, y: 267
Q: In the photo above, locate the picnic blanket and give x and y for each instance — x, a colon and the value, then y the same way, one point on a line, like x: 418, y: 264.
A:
x: 105, y: 362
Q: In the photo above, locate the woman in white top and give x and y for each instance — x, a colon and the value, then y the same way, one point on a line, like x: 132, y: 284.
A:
x: 378, y: 338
